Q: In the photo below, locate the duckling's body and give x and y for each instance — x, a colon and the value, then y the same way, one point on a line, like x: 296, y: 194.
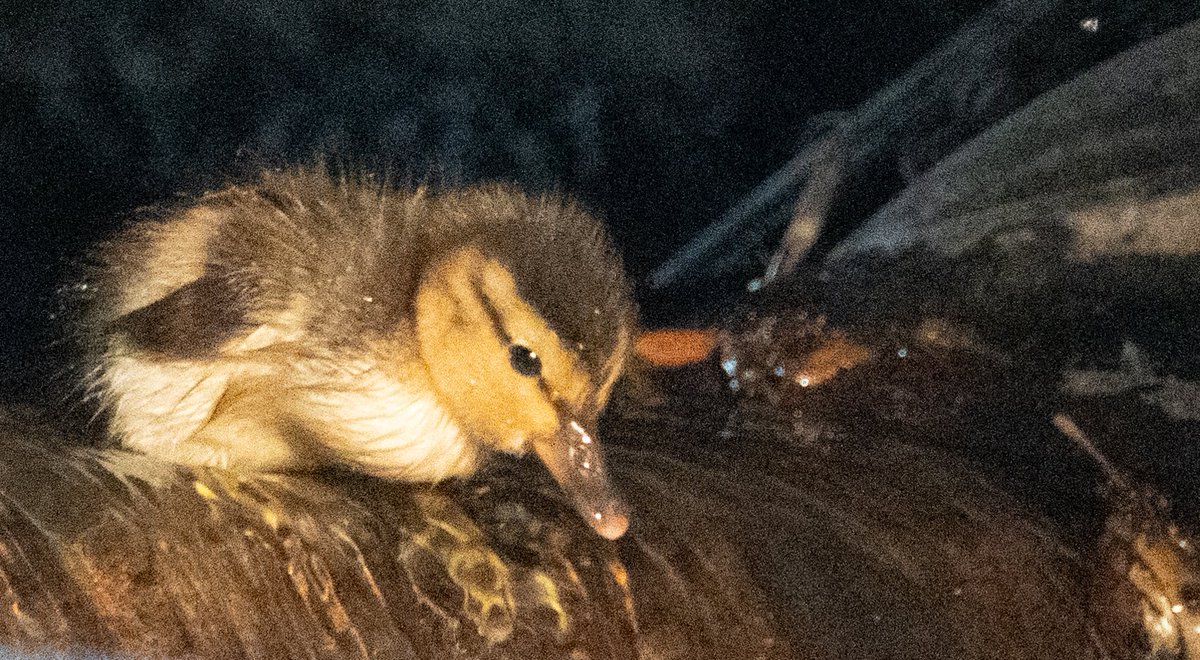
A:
x: 304, y: 320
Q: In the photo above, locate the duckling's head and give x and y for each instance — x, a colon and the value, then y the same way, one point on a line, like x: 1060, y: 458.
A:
x: 524, y: 323
x: 305, y: 319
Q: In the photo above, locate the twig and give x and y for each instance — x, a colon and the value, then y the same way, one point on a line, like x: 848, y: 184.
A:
x: 1067, y: 427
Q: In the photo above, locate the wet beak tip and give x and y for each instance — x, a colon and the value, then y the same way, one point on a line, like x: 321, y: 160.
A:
x: 611, y: 527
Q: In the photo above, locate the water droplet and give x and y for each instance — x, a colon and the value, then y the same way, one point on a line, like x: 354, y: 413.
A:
x: 802, y: 381
x: 734, y: 385
x: 729, y: 364
x: 902, y: 352
x: 580, y: 453
x: 754, y: 285
x: 1090, y: 24
x: 779, y: 371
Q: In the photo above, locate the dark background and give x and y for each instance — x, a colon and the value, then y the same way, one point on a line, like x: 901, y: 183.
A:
x: 659, y: 115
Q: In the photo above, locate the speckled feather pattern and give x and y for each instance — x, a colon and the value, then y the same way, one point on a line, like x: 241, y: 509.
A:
x: 303, y: 282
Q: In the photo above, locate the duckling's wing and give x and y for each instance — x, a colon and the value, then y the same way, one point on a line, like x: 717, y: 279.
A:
x: 192, y: 321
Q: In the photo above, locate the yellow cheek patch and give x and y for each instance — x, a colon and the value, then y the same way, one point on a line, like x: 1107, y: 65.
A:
x: 468, y: 361
x: 470, y: 313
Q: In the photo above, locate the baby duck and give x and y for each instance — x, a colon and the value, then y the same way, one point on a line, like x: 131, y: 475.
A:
x: 308, y: 319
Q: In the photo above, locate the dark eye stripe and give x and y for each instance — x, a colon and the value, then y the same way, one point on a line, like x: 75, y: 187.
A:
x: 493, y: 315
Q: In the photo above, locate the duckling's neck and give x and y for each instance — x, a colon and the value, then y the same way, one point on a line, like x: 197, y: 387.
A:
x: 389, y: 426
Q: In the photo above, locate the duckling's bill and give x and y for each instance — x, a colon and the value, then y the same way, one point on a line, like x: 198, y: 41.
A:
x: 573, y: 457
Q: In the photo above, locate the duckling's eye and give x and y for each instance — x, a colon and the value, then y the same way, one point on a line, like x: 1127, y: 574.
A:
x: 524, y: 361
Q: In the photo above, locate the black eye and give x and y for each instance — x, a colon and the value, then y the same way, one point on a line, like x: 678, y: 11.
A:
x: 524, y: 361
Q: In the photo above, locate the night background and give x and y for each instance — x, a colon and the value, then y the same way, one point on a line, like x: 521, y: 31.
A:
x: 658, y: 115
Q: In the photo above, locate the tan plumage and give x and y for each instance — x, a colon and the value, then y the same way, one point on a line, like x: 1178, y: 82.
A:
x: 305, y: 319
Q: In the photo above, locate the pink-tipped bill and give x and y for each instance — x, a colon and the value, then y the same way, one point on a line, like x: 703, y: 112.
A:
x: 573, y: 457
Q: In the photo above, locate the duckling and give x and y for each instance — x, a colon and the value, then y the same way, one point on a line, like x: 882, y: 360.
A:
x: 309, y: 319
